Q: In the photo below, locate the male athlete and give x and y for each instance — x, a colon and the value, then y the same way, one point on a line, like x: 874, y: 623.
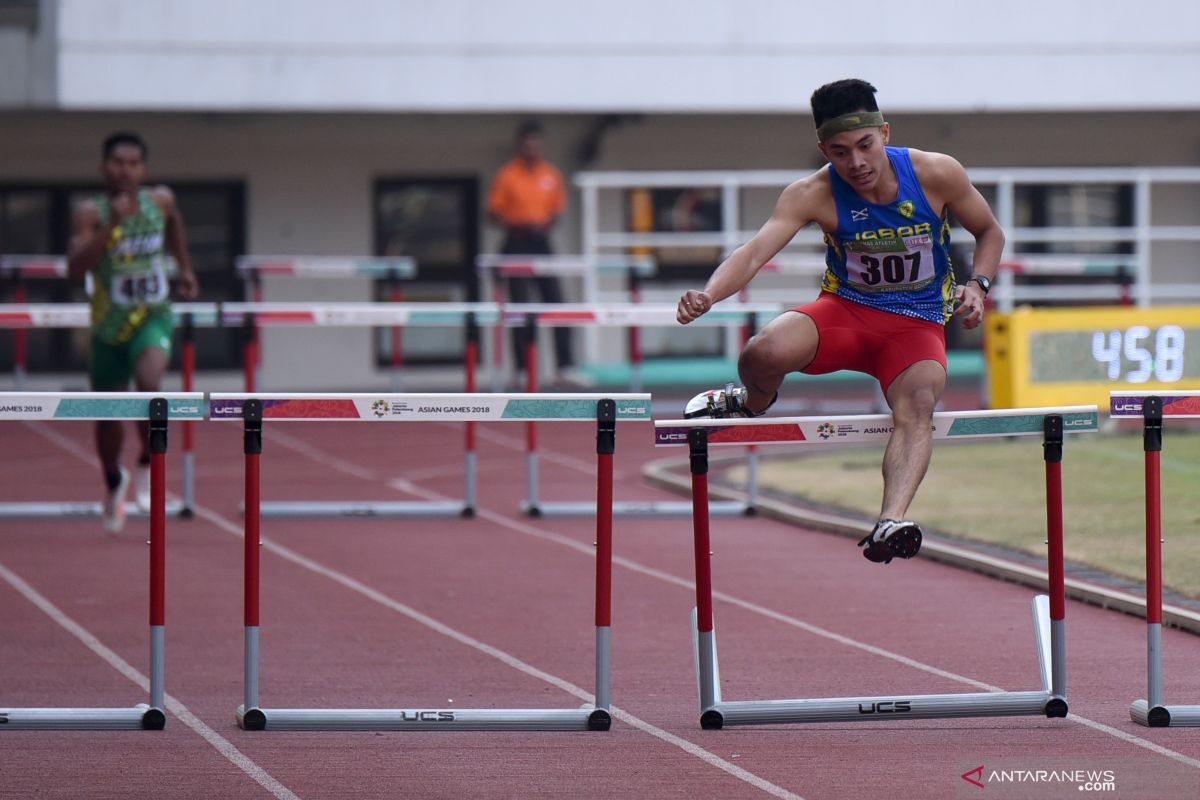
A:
x: 887, y: 294
x: 121, y: 237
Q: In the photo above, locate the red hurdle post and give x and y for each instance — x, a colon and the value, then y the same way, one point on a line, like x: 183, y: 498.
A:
x: 158, y: 561
x: 1152, y: 420
x: 252, y: 415
x: 1052, y: 447
x: 19, y: 344
x: 705, y: 642
x: 250, y: 352
x: 531, y: 386
x: 188, y: 358
x: 470, y: 359
x: 698, y: 446
x: 1152, y: 445
x: 498, y: 340
x: 606, y: 445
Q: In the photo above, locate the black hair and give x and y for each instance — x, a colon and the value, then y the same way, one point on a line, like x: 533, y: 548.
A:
x: 123, y: 137
x: 530, y: 127
x: 842, y: 97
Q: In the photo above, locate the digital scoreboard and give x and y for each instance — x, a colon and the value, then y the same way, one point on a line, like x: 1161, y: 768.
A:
x: 1071, y: 356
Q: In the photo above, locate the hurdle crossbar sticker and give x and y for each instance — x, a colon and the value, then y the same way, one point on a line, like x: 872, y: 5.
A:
x: 460, y: 407
x: 871, y: 428
x: 1177, y: 404
x: 97, y: 405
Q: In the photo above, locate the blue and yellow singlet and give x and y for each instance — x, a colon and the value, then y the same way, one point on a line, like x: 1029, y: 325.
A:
x: 893, y: 257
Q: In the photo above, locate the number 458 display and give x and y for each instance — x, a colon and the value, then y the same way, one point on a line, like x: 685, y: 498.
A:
x: 1062, y: 356
x: 1163, y: 363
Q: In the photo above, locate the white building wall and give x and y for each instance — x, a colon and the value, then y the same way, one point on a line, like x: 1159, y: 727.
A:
x: 624, y: 55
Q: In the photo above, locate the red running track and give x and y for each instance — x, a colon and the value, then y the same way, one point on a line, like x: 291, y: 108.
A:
x: 497, y: 612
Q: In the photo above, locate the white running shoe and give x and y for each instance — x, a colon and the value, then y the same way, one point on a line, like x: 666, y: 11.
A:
x: 113, y: 508
x: 141, y: 488
x: 722, y: 403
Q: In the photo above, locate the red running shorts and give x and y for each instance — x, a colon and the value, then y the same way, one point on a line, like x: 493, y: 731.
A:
x: 864, y: 339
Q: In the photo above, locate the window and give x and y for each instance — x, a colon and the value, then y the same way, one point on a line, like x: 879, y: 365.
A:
x: 436, y: 222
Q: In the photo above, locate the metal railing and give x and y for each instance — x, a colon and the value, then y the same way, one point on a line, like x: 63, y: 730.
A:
x: 601, y: 235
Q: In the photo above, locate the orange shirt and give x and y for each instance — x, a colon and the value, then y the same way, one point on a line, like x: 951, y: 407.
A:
x: 524, y: 195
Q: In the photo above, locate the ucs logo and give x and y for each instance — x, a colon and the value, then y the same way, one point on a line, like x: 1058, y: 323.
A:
x: 885, y: 707
x: 426, y: 716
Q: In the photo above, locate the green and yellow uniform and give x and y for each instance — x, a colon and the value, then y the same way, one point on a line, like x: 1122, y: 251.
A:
x: 131, y: 309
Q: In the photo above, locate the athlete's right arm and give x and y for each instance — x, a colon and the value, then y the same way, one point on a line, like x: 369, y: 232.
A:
x: 797, y: 206
x: 88, y: 240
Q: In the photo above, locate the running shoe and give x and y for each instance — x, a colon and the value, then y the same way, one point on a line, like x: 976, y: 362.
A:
x: 722, y: 403
x: 892, y: 538
x: 141, y: 488
x: 113, y: 509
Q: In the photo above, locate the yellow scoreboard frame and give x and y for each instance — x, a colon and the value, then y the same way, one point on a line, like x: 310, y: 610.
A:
x: 1069, y: 356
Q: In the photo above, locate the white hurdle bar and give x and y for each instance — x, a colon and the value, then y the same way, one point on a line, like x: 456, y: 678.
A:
x: 1152, y: 409
x: 157, y: 408
x: 630, y: 315
x: 1048, y: 612
x: 605, y: 410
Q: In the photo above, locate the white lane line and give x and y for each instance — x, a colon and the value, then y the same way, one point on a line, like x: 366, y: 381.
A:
x: 512, y: 661
x: 500, y: 655
x: 305, y: 449
x: 551, y: 456
x: 181, y: 712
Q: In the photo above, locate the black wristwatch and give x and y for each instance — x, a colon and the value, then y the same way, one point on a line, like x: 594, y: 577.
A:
x: 984, y: 283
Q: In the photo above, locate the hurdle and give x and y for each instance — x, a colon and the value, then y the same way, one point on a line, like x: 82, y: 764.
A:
x: 468, y: 316
x: 588, y: 267
x: 1048, y: 611
x: 391, y: 269
x: 21, y: 317
x: 253, y: 316
x: 628, y: 315
x: 606, y: 410
x: 157, y: 408
x: 1152, y: 409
